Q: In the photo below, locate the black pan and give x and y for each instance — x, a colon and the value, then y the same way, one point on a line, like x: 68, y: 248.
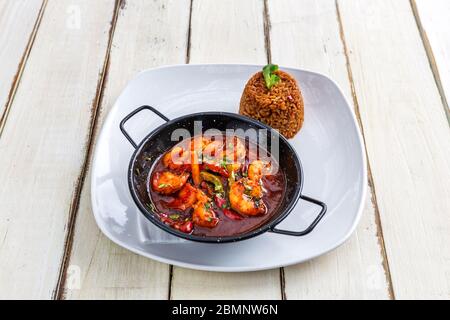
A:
x: 159, y: 141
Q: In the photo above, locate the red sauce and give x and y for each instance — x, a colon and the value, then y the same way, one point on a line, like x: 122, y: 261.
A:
x: 230, y: 222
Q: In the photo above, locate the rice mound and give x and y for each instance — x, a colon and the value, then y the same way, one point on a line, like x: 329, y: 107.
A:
x: 281, y: 107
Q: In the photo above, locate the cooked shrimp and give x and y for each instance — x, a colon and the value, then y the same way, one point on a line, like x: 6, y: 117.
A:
x: 203, y: 214
x: 167, y: 182
x: 230, y: 148
x: 197, y: 145
x: 245, y: 198
x: 176, y: 159
x: 257, y: 169
x: 224, y: 159
x: 253, y: 188
x: 235, y: 150
x: 180, y: 156
x: 185, y: 198
x: 214, y: 149
x: 213, y: 158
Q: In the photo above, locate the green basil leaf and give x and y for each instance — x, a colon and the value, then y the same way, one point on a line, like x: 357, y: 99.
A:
x: 270, y: 78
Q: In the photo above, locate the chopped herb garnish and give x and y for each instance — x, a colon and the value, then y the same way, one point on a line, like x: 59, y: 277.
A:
x: 163, y: 185
x: 174, y: 216
x: 223, y: 163
x: 270, y: 78
x: 207, y: 205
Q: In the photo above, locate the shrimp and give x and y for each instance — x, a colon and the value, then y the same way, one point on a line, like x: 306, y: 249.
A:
x: 245, y: 197
x: 235, y: 150
x: 230, y: 148
x: 176, y: 159
x: 224, y: 159
x: 213, y: 149
x: 203, y: 214
x: 197, y: 145
x: 257, y: 169
x: 167, y: 182
x: 185, y: 198
x: 180, y: 157
x: 213, y: 158
x: 188, y: 197
x: 253, y: 188
x: 213, y: 152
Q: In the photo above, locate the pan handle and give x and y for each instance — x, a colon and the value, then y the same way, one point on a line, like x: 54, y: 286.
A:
x: 311, y: 226
x: 129, y: 116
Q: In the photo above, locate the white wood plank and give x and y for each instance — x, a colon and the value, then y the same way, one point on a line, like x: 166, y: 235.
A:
x: 434, y: 19
x: 408, y: 142
x: 43, y: 143
x: 203, y: 285
x: 306, y: 34
x: 17, y: 21
x: 147, y: 34
x: 226, y: 31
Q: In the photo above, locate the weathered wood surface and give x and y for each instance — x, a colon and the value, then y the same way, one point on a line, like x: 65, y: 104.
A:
x: 44, y: 141
x: 356, y: 269
x: 407, y: 139
x: 147, y: 34
x: 18, y: 21
x: 391, y: 58
x: 433, y: 20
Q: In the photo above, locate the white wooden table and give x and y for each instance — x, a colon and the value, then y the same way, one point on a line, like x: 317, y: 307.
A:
x: 64, y: 62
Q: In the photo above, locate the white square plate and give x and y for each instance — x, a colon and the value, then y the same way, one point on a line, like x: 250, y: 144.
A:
x: 329, y: 145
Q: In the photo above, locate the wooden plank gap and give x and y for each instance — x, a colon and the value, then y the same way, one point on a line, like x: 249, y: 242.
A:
x: 266, y: 20
x: 283, y: 284
x: 431, y: 58
x: 169, y: 295
x: 21, y: 67
x: 188, y: 44
x: 188, y: 58
x: 373, y: 196
x: 59, y: 290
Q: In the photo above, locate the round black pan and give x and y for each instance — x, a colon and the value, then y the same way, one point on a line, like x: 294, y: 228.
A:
x: 160, y: 140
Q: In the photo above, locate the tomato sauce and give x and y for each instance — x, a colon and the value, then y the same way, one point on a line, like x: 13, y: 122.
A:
x: 230, y: 222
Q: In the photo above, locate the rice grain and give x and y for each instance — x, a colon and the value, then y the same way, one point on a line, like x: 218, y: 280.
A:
x: 281, y: 107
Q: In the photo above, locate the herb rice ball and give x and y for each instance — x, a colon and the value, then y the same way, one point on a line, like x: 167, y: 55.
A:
x: 273, y: 97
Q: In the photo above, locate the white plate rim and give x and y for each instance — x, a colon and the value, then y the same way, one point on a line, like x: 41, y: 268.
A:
x: 233, y: 269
